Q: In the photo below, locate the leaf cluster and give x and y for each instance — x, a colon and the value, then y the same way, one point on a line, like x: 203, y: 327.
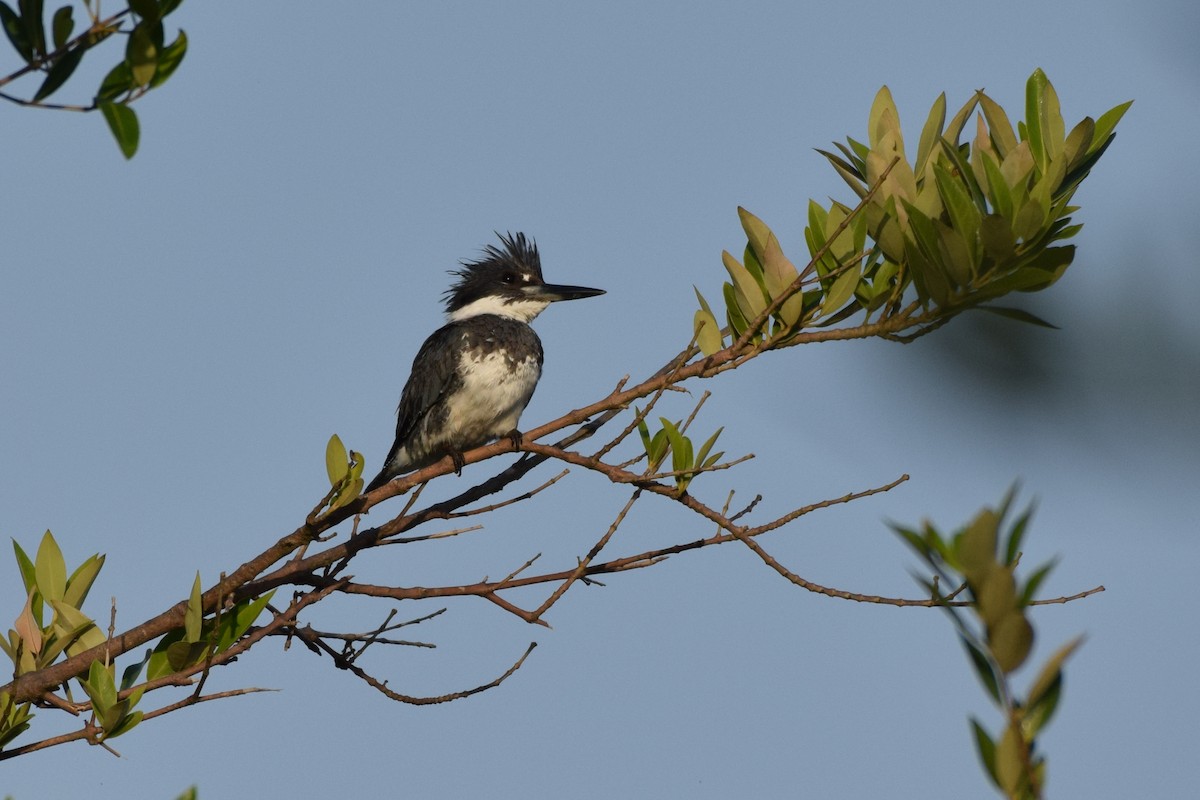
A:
x: 149, y: 60
x: 962, y: 225
x: 35, y: 643
x: 686, y: 460
x: 981, y: 561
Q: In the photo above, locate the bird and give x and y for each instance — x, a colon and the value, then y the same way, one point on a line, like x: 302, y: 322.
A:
x: 474, y: 376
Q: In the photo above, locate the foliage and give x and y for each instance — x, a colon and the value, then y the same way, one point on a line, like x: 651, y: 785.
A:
x: 962, y: 225
x: 983, y: 564
x: 148, y: 61
x: 35, y: 644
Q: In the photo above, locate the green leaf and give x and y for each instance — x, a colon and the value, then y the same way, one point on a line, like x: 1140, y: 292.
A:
x: 842, y: 289
x: 238, y: 620
x: 146, y: 9
x: 997, y: 596
x: 100, y: 688
x: 1018, y: 314
x: 931, y: 134
x: 1010, y: 770
x: 125, y: 725
x: 32, y: 14
x: 1017, y: 533
x: 707, y: 332
x: 123, y: 122
x: 77, y: 631
x: 1010, y: 641
x: 986, y: 748
x: 117, y: 82
x: 181, y: 655
x: 131, y: 674
x: 750, y: 299
x: 14, y: 28
x: 983, y: 668
x: 62, y: 25
x: 975, y: 547
x: 1034, y: 97
x: 159, y: 665
x: 681, y: 446
x: 1105, y: 125
x: 58, y: 74
x: 733, y: 313
x: 643, y: 429
x: 80, y: 582
x: 884, y: 119
x: 194, y: 616
x: 29, y: 578
x: 1035, y: 582
x: 704, y: 448
x: 1051, y: 673
x: 779, y: 273
x: 336, y: 460
x: 169, y: 59
x: 50, y: 569
x: 999, y: 127
x: 141, y: 54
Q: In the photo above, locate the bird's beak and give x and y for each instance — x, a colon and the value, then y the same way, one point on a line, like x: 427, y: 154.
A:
x: 553, y: 292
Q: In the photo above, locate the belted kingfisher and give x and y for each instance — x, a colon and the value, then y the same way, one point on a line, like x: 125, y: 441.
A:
x: 474, y: 376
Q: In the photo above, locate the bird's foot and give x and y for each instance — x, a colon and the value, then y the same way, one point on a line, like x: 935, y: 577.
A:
x: 516, y: 437
x: 459, y: 461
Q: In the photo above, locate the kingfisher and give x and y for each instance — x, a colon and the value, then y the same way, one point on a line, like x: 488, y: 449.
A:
x: 474, y: 376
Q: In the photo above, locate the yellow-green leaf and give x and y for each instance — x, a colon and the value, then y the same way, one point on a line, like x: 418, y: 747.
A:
x: 194, y: 616
x: 707, y: 332
x: 336, y: 460
x: 50, y: 569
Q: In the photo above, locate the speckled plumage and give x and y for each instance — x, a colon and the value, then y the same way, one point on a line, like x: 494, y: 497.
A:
x: 474, y: 376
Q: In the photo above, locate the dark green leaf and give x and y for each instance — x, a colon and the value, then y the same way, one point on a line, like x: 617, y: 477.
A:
x: 167, y: 6
x: 32, y: 17
x: 1051, y: 672
x: 169, y: 59
x: 141, y: 54
x: 1035, y: 582
x: 146, y: 9
x: 181, y: 655
x: 983, y: 668
x: 115, y: 83
x: 124, y: 725
x: 14, y: 28
x: 133, y: 671
x: 1017, y: 533
x: 986, y: 748
x: 123, y: 123
x: 62, y: 25
x: 1018, y: 314
x: 58, y: 74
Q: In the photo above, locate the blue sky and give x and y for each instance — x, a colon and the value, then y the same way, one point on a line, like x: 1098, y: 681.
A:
x: 183, y: 332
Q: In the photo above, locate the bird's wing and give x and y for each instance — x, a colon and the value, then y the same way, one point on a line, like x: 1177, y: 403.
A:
x: 432, y: 376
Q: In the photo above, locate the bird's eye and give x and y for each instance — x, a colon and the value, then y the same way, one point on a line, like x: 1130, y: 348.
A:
x: 509, y: 279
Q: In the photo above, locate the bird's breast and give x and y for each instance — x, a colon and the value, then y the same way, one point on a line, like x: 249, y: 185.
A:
x: 494, y: 391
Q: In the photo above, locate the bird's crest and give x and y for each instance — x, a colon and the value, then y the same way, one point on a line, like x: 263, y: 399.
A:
x: 516, y: 253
